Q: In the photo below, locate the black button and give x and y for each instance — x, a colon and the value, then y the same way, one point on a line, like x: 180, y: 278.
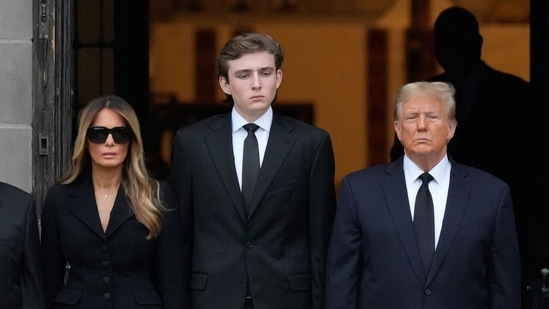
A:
x: 105, y: 264
x: 104, y: 248
x: 106, y: 296
x: 249, y: 245
x: 106, y: 280
x: 243, y: 284
x: 427, y: 292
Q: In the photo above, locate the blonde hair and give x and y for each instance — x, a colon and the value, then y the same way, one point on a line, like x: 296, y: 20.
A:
x: 142, y: 191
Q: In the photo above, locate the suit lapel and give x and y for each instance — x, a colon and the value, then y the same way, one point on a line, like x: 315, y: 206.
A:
x: 83, y: 205
x: 120, y: 213
x: 394, y: 188
x: 456, y: 205
x: 220, y: 147
x: 281, y: 141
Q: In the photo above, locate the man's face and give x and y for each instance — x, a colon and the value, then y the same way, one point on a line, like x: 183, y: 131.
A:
x: 253, y: 82
x: 424, y: 127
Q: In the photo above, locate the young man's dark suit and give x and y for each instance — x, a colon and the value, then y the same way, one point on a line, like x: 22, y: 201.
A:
x: 281, y: 245
x: 21, y: 279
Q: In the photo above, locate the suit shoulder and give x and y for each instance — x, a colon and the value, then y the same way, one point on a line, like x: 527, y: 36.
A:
x: 504, y: 80
x: 301, y: 125
x: 14, y: 194
x: 201, y: 124
x: 9, y: 189
x: 480, y: 176
x: 368, y: 174
x: 56, y: 191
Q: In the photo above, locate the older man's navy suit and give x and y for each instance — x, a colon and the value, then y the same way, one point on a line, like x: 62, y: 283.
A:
x: 374, y: 260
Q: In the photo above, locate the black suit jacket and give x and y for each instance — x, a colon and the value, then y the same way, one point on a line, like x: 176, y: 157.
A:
x: 374, y: 260
x: 118, y: 268
x: 281, y: 246
x: 21, y: 280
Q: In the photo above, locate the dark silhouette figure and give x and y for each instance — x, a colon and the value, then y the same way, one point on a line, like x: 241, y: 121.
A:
x: 493, y: 113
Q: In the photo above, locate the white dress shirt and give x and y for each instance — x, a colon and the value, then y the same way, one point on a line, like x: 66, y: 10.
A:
x: 438, y: 188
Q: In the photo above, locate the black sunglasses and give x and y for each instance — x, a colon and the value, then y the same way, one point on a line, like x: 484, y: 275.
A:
x: 98, y: 135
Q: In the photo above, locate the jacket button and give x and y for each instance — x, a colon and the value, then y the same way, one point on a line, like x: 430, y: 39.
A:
x: 104, y: 248
x: 105, y: 264
x: 242, y: 284
x: 106, y: 280
x: 249, y: 245
x: 427, y: 292
x: 106, y: 296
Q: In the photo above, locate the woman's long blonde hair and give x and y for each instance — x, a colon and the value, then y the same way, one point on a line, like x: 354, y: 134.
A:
x: 142, y: 191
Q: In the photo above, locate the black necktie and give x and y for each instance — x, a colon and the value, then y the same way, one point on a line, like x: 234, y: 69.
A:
x: 424, y: 222
x: 250, y: 164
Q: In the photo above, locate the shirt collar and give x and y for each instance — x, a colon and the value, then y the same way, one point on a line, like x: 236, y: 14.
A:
x: 264, y: 122
x: 439, y: 171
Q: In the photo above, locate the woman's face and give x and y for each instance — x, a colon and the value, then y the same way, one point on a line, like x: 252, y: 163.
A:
x: 108, y: 154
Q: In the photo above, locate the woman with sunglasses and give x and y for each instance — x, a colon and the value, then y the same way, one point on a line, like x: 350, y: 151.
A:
x: 112, y: 227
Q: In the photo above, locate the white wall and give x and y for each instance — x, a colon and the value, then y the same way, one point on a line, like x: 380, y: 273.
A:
x: 16, y: 92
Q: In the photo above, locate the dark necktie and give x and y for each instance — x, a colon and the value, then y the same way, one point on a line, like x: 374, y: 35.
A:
x: 424, y: 222
x: 250, y: 164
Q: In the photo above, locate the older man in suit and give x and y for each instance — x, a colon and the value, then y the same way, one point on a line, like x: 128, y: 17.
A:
x: 21, y: 278
x: 256, y: 241
x: 400, y: 241
x: 486, y: 99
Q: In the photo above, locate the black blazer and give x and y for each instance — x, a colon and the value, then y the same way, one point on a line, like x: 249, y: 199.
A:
x: 21, y: 281
x: 118, y: 268
x: 374, y: 260
x: 281, y: 246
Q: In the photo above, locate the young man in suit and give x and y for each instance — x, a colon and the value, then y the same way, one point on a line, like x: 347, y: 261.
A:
x: 21, y: 278
x: 266, y: 248
x: 455, y: 247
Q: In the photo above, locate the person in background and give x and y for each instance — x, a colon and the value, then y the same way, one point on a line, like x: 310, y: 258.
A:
x: 423, y: 231
x: 257, y: 233
x: 488, y: 111
x: 116, y: 228
x: 21, y: 277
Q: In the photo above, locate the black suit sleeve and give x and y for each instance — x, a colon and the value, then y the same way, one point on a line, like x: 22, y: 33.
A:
x: 321, y: 214
x: 170, y: 273
x: 32, y: 280
x: 180, y: 181
x: 53, y: 260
